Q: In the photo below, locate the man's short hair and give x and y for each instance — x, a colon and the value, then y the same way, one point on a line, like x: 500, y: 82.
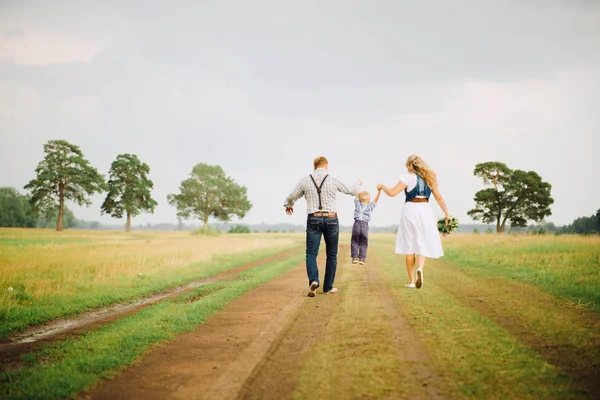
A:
x: 320, y: 162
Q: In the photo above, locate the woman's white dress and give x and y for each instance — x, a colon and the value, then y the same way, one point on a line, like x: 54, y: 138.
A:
x: 417, y: 231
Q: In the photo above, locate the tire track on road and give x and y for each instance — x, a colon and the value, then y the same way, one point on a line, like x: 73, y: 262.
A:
x: 276, y: 375
x: 425, y: 379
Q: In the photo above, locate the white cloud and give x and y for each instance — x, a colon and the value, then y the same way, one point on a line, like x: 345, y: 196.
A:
x: 42, y: 48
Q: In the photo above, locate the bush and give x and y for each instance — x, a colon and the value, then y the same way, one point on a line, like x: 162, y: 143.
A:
x: 239, y: 229
x: 209, y: 232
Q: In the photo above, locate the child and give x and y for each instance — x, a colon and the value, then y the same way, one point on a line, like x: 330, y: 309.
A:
x: 360, y: 231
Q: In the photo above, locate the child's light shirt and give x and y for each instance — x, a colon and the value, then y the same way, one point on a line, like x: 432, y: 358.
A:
x: 362, y: 212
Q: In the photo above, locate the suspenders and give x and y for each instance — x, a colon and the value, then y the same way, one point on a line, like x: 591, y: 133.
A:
x: 319, y: 189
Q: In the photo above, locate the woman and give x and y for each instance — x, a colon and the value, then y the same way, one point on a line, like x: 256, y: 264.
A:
x: 417, y: 233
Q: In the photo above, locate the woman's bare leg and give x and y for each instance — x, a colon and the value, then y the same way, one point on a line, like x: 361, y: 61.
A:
x: 420, y: 261
x: 410, y: 267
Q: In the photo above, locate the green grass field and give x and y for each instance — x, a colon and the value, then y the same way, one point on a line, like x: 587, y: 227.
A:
x: 566, y: 266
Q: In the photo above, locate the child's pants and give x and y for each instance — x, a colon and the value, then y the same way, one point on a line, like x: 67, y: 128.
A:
x: 360, y: 239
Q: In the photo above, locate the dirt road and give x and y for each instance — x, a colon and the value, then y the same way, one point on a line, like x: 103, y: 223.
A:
x: 361, y: 342
x: 257, y: 347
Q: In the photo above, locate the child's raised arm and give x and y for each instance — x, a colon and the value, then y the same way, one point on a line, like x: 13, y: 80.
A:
x: 376, y: 199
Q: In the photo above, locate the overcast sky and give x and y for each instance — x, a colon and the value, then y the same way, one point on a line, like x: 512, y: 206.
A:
x: 263, y: 87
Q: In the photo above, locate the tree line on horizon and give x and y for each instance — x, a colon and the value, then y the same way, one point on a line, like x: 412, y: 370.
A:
x: 510, y: 198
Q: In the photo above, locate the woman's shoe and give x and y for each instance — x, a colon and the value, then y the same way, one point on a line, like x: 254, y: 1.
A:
x: 410, y: 285
x: 419, y: 282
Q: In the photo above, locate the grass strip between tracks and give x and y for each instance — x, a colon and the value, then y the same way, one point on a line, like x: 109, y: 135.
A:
x: 61, y: 369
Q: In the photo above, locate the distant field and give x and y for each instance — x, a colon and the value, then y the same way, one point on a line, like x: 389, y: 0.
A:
x: 56, y: 274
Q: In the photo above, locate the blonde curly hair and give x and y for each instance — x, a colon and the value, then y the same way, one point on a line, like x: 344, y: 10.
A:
x: 364, y: 197
x: 416, y: 164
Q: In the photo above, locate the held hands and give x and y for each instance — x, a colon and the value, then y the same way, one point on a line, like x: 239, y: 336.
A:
x: 379, y: 186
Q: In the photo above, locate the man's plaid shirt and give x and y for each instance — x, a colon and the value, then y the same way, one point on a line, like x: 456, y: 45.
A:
x: 332, y: 185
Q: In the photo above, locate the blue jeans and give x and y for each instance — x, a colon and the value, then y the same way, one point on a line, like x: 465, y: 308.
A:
x: 330, y: 230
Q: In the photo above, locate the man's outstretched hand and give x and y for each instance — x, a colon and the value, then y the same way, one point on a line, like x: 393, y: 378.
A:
x: 289, y: 210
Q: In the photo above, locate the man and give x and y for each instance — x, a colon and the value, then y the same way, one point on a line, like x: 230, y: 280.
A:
x: 320, y: 190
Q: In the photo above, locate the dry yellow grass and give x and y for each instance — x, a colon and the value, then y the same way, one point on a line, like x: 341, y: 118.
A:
x: 52, y: 262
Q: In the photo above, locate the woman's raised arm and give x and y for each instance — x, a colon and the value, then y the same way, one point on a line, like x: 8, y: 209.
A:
x: 392, y: 192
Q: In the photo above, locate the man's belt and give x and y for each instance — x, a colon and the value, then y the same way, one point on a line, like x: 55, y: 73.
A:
x: 419, y: 200
x: 323, y: 214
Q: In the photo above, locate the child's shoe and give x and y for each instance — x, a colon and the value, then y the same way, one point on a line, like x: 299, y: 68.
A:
x: 361, y: 261
x: 355, y: 260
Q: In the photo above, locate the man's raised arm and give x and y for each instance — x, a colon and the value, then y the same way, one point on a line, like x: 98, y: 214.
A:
x: 349, y: 189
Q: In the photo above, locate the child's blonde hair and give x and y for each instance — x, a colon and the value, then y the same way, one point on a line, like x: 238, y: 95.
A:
x: 364, y: 197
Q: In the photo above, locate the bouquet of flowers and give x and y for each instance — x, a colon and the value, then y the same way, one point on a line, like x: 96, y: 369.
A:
x: 446, y: 229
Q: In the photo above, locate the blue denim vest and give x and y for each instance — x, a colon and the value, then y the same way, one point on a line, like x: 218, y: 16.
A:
x: 421, y: 189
